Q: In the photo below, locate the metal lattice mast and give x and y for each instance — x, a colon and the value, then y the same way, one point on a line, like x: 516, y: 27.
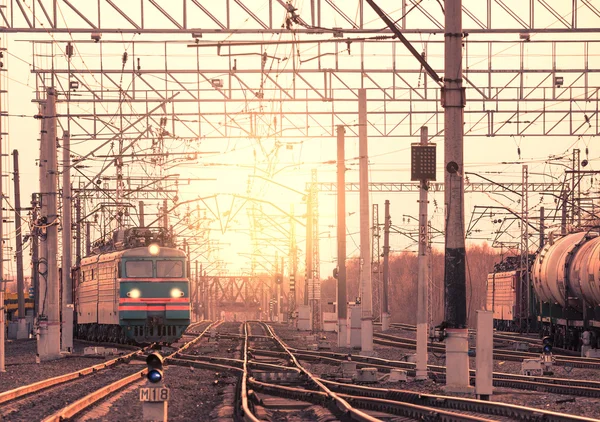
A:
x: 292, y: 264
x: 375, y: 263
x: 525, y: 290
x: 315, y: 270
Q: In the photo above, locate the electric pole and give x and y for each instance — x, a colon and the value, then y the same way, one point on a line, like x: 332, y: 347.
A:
x: 366, y: 300
x: 422, y: 293
x: 48, y: 341
x: 342, y: 307
x: 453, y: 100
x: 22, y: 323
x: 67, y: 262
x: 385, y: 312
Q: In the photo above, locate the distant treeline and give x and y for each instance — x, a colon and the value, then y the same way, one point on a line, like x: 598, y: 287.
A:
x: 403, y: 283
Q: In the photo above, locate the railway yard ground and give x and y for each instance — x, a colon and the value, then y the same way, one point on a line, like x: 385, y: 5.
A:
x: 223, y: 371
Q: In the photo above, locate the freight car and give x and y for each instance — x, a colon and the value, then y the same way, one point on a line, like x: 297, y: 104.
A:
x: 563, y: 294
x: 136, y: 293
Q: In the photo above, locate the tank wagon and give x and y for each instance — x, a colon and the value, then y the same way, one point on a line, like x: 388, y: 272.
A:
x: 136, y: 293
x: 564, y: 292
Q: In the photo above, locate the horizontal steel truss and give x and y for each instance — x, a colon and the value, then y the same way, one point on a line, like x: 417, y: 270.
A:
x: 550, y: 188
x: 238, y: 16
x: 233, y: 292
x: 238, y: 98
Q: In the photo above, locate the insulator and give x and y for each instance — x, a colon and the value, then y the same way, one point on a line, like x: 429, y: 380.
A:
x: 125, y: 58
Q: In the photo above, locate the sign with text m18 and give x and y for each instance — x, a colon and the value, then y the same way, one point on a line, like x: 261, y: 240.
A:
x: 154, y: 394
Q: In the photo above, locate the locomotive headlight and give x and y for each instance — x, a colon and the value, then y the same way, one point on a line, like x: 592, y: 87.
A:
x: 134, y: 293
x: 154, y: 249
x: 176, y: 293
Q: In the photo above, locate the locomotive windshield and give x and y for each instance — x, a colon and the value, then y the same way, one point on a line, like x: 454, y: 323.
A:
x: 138, y: 268
x: 169, y: 268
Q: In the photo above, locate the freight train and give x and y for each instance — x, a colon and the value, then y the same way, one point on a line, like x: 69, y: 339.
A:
x: 134, y: 289
x: 557, y: 294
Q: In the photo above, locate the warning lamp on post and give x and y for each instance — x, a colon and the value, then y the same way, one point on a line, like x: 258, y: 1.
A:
x: 155, y: 368
x: 547, y: 345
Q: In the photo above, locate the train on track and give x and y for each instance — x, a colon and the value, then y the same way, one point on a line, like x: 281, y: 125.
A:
x: 133, y: 289
x: 555, y: 292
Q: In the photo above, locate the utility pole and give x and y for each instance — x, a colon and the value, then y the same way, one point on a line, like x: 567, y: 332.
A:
x: 141, y: 213
x: 315, y: 288
x: 48, y: 341
x: 375, y: 261
x: 78, y: 232
x: 309, y: 245
x: 542, y: 227
x: 35, y: 272
x: 22, y: 324
x: 67, y: 262
x: 422, y: 287
x: 366, y: 300
x: 293, y: 266
x: 524, y: 264
x: 453, y: 100
x: 165, y: 216
x: 385, y: 311
x: 342, y: 296
x: 88, y: 239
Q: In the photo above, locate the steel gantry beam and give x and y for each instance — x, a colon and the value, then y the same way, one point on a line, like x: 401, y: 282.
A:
x: 550, y: 188
x: 245, y: 92
x: 197, y: 17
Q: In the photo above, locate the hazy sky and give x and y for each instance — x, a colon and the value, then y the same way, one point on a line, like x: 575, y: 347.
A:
x: 291, y: 159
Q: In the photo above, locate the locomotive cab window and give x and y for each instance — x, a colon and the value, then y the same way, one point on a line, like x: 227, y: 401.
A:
x: 169, y: 268
x: 138, y: 269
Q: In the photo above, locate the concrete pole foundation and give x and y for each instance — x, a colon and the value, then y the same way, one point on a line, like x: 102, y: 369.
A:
x: 484, y: 360
x: 385, y: 321
x: 457, y: 361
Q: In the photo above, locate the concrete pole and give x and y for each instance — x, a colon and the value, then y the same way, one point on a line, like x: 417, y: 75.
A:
x: 2, y: 282
x: 366, y: 299
x: 342, y: 297
x: 542, y: 227
x: 453, y: 101
x: 22, y: 327
x: 385, y: 311
x: 77, y: 232
x: 35, y: 273
x: 422, y: 281
x: 141, y: 213
x: 48, y: 341
x: 88, y: 239
x: 67, y: 261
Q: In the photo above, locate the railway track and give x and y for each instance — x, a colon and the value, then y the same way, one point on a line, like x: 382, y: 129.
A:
x: 509, y: 355
x: 60, y: 398
x: 552, y: 385
x: 396, y: 402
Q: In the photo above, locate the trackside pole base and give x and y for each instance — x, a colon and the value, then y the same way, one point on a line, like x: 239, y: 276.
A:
x: 48, y: 344
x: 342, y: 333
x: 457, y: 361
x: 421, y: 373
x: 22, y: 332
x: 484, y: 355
x: 366, y: 337
x: 67, y: 333
x: 354, y: 312
x: 385, y: 321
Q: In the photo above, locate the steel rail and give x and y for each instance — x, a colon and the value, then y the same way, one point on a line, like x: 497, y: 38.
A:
x: 414, y: 411
x: 247, y: 414
x: 76, y: 407
x: 515, y: 356
x: 341, y: 404
x: 25, y: 390
x: 457, y: 403
x: 556, y: 385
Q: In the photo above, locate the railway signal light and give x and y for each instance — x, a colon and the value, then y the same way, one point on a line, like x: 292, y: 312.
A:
x: 155, y: 367
x: 547, y: 345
